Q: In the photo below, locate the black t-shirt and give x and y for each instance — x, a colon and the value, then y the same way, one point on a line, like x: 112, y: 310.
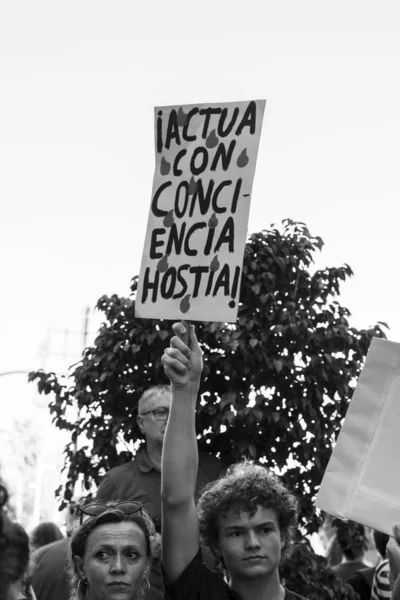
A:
x: 361, y: 582
x: 198, y: 582
x: 348, y: 569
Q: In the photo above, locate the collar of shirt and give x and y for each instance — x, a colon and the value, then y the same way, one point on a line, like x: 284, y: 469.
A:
x: 144, y: 462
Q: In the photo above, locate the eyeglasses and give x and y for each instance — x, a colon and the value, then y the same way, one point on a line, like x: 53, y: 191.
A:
x: 160, y: 414
x: 97, y: 509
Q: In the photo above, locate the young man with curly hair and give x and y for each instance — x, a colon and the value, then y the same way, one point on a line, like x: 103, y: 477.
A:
x: 247, y: 516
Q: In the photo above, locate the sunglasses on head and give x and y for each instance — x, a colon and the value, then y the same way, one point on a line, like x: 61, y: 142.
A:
x: 97, y: 509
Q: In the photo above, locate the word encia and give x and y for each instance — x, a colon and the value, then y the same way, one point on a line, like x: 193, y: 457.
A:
x: 195, y: 279
x: 179, y: 239
x: 177, y: 120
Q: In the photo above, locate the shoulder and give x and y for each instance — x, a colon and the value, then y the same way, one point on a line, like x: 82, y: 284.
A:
x: 366, y: 575
x: 55, y: 549
x: 47, y: 562
x: 115, y: 480
x: 197, y: 582
x: 120, y: 473
x: 121, y: 470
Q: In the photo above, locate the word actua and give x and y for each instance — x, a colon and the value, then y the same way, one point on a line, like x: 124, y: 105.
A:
x: 179, y: 126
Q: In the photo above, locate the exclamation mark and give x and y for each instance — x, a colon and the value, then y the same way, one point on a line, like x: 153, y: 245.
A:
x: 235, y: 284
x: 159, y: 132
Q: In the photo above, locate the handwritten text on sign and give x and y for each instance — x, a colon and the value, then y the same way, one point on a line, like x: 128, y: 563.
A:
x: 196, y: 234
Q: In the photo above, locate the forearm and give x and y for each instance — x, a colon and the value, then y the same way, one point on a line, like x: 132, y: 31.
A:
x: 180, y: 455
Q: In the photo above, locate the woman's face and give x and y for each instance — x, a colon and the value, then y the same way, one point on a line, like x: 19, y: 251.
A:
x: 115, y: 561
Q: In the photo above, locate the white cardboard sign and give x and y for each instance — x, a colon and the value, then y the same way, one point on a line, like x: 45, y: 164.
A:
x: 197, y: 228
x: 362, y: 479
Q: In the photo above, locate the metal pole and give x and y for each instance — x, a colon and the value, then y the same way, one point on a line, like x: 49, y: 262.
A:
x: 84, y: 341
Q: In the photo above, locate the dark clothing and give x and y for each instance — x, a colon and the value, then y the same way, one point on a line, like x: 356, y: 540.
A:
x: 361, y: 582
x: 140, y: 481
x: 349, y: 569
x: 50, y: 580
x: 198, y: 582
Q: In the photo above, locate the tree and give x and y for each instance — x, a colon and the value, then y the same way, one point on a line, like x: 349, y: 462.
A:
x: 276, y: 384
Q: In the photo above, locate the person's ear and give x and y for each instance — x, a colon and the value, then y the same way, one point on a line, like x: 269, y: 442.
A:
x: 139, y: 421
x: 78, y: 561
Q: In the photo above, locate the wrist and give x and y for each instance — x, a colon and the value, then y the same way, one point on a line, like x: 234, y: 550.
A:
x: 186, y: 389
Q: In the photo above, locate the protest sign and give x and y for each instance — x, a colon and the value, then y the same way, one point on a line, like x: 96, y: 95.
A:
x: 362, y: 480
x: 197, y: 227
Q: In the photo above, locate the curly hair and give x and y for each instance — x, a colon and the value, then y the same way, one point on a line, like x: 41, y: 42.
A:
x: 81, y: 535
x: 243, y: 488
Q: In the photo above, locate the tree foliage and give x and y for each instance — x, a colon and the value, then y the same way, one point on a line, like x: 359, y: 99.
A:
x: 276, y: 384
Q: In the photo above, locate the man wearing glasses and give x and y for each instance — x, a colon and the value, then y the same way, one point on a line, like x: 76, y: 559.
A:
x: 140, y: 479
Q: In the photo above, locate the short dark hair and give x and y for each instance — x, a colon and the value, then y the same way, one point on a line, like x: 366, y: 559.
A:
x: 351, y: 537
x: 243, y: 488
x: 45, y: 533
x: 113, y: 515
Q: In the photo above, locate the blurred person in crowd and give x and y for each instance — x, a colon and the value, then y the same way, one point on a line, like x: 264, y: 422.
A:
x: 111, y: 552
x: 14, y: 557
x: 50, y: 578
x: 140, y: 479
x: 45, y: 533
x: 362, y: 581
x: 353, y: 543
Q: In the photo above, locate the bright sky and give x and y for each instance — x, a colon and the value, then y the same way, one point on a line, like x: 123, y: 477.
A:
x: 78, y: 83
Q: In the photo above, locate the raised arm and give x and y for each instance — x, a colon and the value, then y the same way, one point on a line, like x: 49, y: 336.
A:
x: 183, y: 365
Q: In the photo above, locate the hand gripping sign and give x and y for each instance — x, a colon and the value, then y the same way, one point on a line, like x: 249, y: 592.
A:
x: 197, y: 227
x: 361, y: 481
